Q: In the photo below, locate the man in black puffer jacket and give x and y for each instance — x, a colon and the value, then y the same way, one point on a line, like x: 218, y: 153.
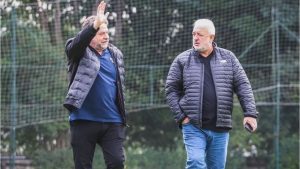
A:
x: 95, y: 98
x: 199, y: 90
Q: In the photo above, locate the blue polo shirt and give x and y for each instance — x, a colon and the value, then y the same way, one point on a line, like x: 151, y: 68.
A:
x: 100, y: 104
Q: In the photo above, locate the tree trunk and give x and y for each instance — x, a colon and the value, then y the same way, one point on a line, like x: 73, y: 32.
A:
x: 43, y: 16
x: 63, y: 139
x: 57, y: 23
x: 119, y: 25
x: 77, y: 13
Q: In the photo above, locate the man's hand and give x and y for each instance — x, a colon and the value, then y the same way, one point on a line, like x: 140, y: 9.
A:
x: 251, y: 121
x: 100, y: 18
x: 185, y: 120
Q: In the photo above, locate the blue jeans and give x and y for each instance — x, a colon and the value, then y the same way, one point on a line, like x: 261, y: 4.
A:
x: 205, y: 149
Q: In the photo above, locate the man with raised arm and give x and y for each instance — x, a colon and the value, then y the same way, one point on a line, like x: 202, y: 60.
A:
x: 95, y: 98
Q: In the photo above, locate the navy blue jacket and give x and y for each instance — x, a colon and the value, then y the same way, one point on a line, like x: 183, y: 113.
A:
x: 184, y: 87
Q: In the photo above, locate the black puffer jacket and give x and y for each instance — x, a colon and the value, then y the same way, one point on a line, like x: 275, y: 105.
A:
x: 83, y: 67
x: 184, y: 87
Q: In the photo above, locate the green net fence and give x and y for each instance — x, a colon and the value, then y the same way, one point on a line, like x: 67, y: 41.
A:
x: 263, y: 34
x: 150, y: 34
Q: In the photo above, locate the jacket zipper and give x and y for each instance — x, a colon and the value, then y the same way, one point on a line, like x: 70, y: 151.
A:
x: 201, y: 95
x: 120, y: 91
x: 214, y: 79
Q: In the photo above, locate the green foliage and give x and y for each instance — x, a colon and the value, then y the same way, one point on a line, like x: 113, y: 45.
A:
x: 152, y: 35
x: 61, y: 158
x: 290, y: 152
x: 144, y: 91
x: 46, y: 137
x: 242, y: 144
x: 148, y: 158
x: 159, y: 132
x: 136, y: 158
x: 154, y: 141
x: 40, y: 75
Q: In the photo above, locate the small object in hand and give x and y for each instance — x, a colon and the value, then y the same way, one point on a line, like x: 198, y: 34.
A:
x: 248, y: 127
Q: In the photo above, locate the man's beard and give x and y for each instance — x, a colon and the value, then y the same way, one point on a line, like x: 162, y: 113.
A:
x: 101, y: 46
x: 201, y: 49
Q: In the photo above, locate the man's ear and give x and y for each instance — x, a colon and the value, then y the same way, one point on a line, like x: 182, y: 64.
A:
x: 212, y: 38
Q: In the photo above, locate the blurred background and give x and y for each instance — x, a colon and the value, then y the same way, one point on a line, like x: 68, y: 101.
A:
x: 264, y: 35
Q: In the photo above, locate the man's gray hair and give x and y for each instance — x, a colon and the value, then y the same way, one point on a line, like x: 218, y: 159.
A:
x: 89, y: 21
x: 205, y: 24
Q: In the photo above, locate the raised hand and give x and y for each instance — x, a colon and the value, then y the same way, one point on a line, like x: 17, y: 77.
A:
x: 100, y: 17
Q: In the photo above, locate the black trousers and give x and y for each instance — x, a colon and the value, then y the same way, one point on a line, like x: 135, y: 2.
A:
x: 85, y: 135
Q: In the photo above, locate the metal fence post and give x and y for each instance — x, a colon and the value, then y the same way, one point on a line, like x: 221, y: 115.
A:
x: 12, y: 146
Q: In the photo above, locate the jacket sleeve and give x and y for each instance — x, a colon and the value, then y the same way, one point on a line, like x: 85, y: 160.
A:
x: 75, y: 47
x: 242, y: 88
x: 174, y: 90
